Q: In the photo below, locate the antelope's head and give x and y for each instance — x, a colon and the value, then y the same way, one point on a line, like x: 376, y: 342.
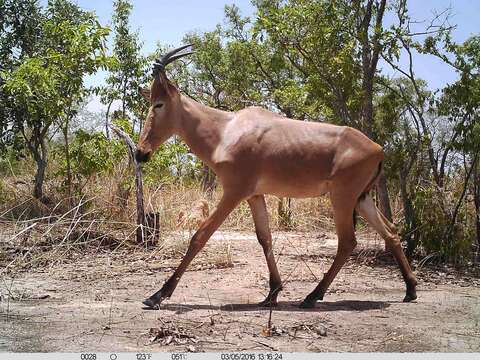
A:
x: 164, y: 110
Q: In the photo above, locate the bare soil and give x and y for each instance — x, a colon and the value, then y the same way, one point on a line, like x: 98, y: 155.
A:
x: 92, y: 302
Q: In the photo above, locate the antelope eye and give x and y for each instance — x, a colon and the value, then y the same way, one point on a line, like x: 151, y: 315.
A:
x: 158, y: 106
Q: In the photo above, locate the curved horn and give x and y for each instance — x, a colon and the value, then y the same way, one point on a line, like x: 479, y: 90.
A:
x: 172, y: 55
x: 178, y: 56
x: 165, y: 58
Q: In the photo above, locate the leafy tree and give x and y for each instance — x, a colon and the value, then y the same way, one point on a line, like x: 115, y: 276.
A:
x: 44, y: 87
x: 91, y: 153
x: 460, y: 105
x: 404, y: 146
x: 19, y: 32
x: 127, y: 69
x: 436, y: 147
x: 316, y: 38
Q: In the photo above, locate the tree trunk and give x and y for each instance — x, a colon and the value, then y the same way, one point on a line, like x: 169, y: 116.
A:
x: 285, y: 212
x: 39, y: 179
x: 107, y: 115
x: 370, y: 51
x: 208, y: 180
x: 366, y: 112
x: 142, y: 232
x: 67, y: 158
x: 383, y: 197
x: 476, y: 200
x: 411, y: 236
x: 124, y: 112
x: 40, y: 156
x: 139, y: 197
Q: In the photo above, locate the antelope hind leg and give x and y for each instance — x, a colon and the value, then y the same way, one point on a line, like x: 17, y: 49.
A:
x: 369, y: 211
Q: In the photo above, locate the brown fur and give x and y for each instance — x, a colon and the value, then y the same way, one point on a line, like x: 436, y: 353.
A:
x: 255, y: 152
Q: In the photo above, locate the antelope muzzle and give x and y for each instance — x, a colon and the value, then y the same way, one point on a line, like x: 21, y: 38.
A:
x: 142, y: 156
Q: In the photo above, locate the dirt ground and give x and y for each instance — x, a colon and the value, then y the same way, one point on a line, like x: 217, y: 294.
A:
x: 93, y: 302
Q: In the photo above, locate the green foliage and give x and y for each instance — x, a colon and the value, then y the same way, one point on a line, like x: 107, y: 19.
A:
x: 218, y: 76
x: 126, y: 125
x: 171, y: 163
x: 45, y: 82
x: 317, y: 37
x: 19, y: 30
x: 304, y: 59
x: 127, y: 68
x: 233, y: 68
x: 90, y: 154
x: 44, y: 87
x: 460, y: 101
x: 10, y: 162
x: 433, y: 237
x: 432, y: 146
x: 93, y: 153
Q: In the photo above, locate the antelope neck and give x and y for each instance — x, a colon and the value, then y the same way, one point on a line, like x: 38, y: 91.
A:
x: 201, y: 127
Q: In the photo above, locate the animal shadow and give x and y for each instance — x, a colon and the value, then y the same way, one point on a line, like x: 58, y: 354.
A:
x: 321, y: 306
x: 289, y: 306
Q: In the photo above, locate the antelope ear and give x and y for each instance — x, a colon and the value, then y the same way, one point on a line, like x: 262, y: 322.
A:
x: 145, y: 92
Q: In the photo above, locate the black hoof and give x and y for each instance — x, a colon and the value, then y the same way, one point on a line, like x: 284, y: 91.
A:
x: 152, y: 304
x: 410, y: 297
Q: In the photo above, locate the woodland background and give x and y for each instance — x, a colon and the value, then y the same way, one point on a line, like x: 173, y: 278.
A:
x: 309, y: 60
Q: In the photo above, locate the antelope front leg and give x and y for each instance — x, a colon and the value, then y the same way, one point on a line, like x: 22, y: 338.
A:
x: 198, y: 241
x: 264, y: 236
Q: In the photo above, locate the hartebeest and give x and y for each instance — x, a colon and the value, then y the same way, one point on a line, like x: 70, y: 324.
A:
x: 256, y: 152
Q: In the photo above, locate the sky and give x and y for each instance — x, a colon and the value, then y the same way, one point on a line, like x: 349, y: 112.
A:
x: 169, y: 21
x: 464, y: 14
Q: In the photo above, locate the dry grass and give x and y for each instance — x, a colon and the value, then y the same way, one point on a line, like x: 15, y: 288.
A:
x: 35, y: 234
x: 192, y: 219
x: 171, y: 200
x: 107, y: 199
